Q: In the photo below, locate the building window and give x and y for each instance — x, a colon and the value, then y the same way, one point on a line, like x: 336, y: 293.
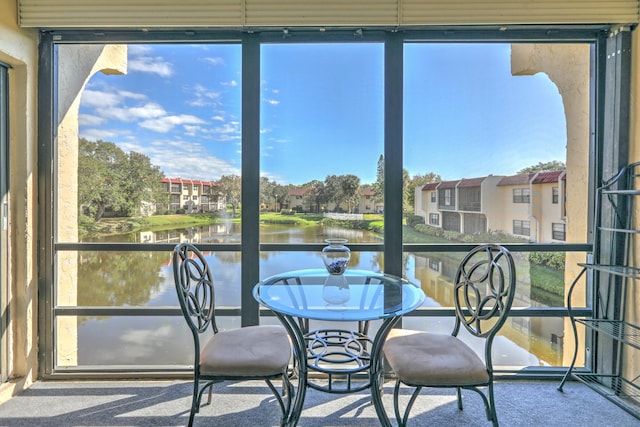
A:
x: 433, y: 197
x: 521, y: 228
x: 175, y: 188
x: 554, y: 195
x: 185, y: 197
x: 447, y: 197
x: 194, y: 197
x: 434, y: 219
x: 558, y: 231
x: 521, y: 195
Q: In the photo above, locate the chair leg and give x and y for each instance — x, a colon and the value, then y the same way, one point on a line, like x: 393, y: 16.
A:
x: 492, y: 415
x: 195, y: 402
x: 459, y: 396
x: 285, y: 400
x: 402, y: 420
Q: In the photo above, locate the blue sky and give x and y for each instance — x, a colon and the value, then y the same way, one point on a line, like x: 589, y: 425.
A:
x: 322, y: 109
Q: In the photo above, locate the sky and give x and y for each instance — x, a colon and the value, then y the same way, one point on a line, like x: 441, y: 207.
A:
x: 322, y: 110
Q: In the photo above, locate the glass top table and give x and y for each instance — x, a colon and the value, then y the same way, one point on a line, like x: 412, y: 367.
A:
x: 344, y: 355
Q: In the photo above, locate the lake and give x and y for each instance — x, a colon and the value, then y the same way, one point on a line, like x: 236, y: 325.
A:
x: 145, y: 279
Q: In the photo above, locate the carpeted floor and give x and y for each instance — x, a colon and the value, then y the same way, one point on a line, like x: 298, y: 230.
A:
x: 249, y: 404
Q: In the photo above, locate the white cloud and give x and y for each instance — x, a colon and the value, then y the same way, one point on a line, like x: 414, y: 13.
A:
x: 204, y: 97
x: 96, y: 134
x: 132, y: 95
x: 90, y: 120
x: 129, y: 114
x: 147, y: 111
x: 232, y: 83
x: 213, y: 60
x: 154, y: 65
x: 272, y: 101
x: 138, y: 49
x: 195, y: 160
x: 167, y: 123
x: 98, y: 98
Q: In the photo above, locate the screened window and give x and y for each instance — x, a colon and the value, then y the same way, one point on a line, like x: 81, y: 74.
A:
x: 521, y: 195
x: 521, y: 228
x: 319, y: 134
x: 559, y: 231
x: 554, y: 195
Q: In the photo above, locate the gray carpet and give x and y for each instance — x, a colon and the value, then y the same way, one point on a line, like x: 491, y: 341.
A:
x: 249, y: 404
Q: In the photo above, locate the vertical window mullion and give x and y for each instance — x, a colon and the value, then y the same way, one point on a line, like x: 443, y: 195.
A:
x: 250, y: 177
x: 393, y: 140
x: 4, y: 217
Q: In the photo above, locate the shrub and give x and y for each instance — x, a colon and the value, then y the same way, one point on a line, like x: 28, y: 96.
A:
x: 287, y: 212
x: 413, y: 220
x: 429, y: 230
x: 554, y: 260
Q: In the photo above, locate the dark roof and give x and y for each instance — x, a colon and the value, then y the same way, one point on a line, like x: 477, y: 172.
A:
x: 471, y: 182
x: 521, y: 179
x: 547, y: 177
x: 448, y: 184
x: 430, y: 186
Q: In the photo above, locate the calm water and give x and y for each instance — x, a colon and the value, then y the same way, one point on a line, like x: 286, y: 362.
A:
x: 145, y: 279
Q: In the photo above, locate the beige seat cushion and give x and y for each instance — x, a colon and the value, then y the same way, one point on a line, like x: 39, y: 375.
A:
x: 422, y: 358
x: 250, y: 351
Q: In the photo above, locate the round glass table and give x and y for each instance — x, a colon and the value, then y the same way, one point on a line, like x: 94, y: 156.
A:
x: 348, y: 357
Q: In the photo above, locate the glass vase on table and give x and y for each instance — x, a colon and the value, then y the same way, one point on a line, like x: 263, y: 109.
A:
x: 336, y: 258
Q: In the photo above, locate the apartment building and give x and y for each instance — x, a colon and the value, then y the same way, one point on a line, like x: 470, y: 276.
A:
x: 302, y: 200
x: 524, y: 205
x: 192, y: 195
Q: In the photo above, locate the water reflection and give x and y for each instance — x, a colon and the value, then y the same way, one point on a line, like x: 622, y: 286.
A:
x: 146, y: 279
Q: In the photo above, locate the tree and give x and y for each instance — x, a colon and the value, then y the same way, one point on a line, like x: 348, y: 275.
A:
x: 342, y: 188
x: 282, y: 195
x: 110, y: 178
x: 267, y: 192
x: 332, y: 189
x: 231, y: 187
x: 378, y: 187
x: 143, y: 183
x: 416, y: 181
x: 350, y: 190
x: 553, y: 165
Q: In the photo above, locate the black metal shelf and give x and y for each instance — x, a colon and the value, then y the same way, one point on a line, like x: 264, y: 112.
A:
x: 616, y: 389
x: 614, y: 228
x: 625, y: 332
x: 618, y: 270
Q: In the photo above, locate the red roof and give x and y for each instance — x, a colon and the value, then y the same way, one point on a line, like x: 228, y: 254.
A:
x: 188, y: 181
x: 430, y: 186
x: 448, y: 184
x: 368, y: 192
x: 547, y: 177
x: 297, y: 191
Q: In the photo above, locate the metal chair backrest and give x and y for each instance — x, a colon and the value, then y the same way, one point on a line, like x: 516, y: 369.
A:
x: 194, y: 286
x: 484, y: 290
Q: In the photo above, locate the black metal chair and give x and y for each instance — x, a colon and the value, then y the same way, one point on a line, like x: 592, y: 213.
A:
x: 484, y: 288
x: 250, y: 353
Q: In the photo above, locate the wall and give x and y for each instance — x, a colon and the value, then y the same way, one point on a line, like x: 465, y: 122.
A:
x: 18, y: 48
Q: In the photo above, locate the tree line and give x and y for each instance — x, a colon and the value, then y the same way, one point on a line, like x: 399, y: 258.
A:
x: 110, y: 179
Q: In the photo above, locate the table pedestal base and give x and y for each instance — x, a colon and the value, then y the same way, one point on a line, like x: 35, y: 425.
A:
x: 343, y: 356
